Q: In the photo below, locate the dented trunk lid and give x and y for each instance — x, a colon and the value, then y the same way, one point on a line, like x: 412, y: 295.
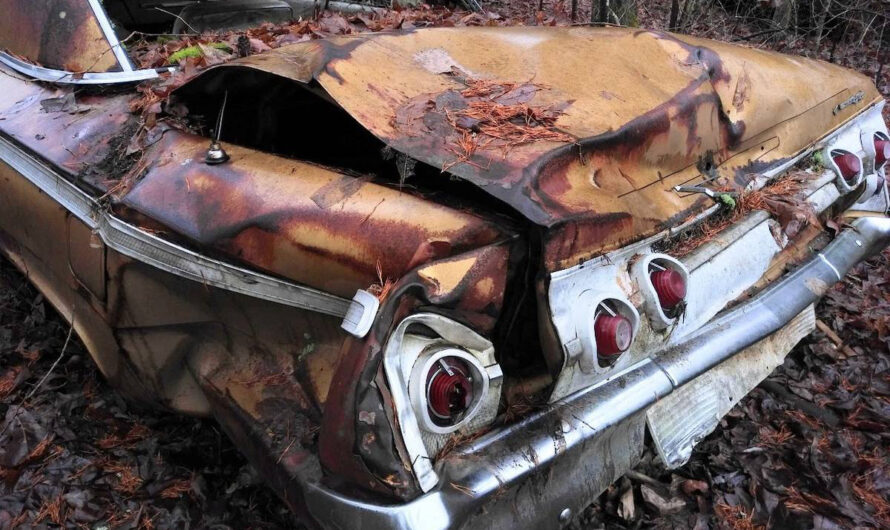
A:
x: 636, y: 113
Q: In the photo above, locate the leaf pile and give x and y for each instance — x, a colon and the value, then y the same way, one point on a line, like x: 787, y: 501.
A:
x: 486, y: 115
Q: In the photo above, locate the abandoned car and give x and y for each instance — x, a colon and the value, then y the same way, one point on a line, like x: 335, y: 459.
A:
x: 435, y: 278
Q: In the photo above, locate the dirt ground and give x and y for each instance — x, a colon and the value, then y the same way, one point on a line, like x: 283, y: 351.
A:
x: 807, y: 449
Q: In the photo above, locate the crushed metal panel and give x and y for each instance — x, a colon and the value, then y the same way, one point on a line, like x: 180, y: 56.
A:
x: 308, y: 223
x: 647, y: 109
x: 65, y: 35
x: 683, y: 418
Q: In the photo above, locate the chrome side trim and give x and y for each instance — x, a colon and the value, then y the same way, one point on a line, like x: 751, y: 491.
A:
x: 119, y: 53
x: 50, y: 75
x: 489, y: 468
x: 142, y: 246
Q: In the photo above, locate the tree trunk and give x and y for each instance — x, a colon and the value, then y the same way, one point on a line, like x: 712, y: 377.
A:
x: 686, y: 12
x: 675, y: 15
x: 626, y: 12
x: 782, y: 13
x: 820, y: 24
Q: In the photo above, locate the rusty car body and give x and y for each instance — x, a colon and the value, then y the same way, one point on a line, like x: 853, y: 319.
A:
x: 405, y: 312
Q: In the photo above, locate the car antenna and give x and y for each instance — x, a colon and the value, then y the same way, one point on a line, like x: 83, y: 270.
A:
x: 215, y: 153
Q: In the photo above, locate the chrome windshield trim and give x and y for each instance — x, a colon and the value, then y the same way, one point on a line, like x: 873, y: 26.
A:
x: 140, y: 245
x: 50, y: 75
x: 116, y: 47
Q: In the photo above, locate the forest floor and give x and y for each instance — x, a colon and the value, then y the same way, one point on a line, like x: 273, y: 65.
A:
x: 809, y: 448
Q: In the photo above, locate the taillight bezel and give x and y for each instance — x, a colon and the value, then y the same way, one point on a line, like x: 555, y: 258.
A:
x: 879, y: 135
x: 659, y: 318
x: 591, y: 305
x: 846, y: 185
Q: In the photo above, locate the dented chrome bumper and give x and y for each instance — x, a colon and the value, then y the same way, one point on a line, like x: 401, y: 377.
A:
x: 547, y: 467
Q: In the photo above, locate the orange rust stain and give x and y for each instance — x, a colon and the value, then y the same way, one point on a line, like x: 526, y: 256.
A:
x: 446, y: 276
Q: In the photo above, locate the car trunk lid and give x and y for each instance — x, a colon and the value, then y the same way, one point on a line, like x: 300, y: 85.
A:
x: 634, y: 114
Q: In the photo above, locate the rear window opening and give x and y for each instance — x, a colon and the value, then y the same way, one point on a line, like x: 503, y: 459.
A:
x: 271, y: 114
x: 286, y: 118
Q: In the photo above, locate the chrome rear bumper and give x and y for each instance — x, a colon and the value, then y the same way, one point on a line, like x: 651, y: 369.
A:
x: 540, y: 471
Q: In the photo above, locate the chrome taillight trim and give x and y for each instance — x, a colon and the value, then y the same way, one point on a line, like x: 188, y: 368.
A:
x: 400, y: 354
x: 651, y: 303
x: 844, y: 185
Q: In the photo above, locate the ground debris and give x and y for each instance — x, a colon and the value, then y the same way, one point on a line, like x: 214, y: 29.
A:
x: 782, y: 198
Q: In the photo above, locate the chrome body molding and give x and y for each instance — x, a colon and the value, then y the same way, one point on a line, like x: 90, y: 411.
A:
x: 546, y: 457
x: 116, y: 47
x: 140, y: 245
x: 50, y: 75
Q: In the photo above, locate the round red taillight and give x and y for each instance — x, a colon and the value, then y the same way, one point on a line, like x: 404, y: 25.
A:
x: 882, y: 151
x: 848, y: 164
x: 670, y: 286
x: 449, y: 389
x: 613, y: 334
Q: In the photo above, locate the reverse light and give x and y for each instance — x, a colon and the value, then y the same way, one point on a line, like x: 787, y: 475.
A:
x: 614, y: 333
x: 670, y: 286
x: 848, y: 164
x: 449, y: 390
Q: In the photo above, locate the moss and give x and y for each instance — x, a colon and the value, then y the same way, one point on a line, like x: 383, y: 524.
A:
x: 727, y: 200
x: 195, y: 51
x: 818, y: 161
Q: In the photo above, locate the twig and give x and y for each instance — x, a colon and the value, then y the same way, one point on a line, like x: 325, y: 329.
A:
x: 833, y: 337
x: 639, y: 477
x: 162, y: 10
x: 761, y: 33
x: 53, y: 367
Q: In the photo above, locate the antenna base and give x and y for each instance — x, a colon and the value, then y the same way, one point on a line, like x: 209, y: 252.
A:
x: 216, y: 155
